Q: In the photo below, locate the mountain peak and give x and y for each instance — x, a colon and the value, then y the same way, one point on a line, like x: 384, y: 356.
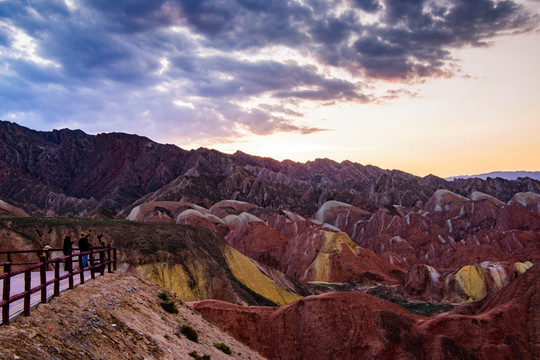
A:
x: 507, y: 175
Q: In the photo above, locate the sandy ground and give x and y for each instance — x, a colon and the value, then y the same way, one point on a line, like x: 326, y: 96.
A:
x: 116, y: 316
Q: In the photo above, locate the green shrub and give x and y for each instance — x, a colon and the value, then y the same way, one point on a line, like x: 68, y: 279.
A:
x: 224, y: 348
x: 196, y: 356
x: 163, y: 296
x: 190, y: 333
x: 169, y: 307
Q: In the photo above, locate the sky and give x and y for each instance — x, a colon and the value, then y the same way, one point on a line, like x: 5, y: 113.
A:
x: 443, y: 87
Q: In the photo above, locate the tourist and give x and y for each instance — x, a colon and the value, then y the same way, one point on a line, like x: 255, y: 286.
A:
x: 67, y: 249
x: 84, y: 245
x: 101, y: 242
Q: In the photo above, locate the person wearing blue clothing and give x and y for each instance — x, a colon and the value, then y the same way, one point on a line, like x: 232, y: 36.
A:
x: 84, y: 245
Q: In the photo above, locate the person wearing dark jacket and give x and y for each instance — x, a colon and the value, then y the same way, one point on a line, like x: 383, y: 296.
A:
x: 84, y: 245
x: 67, y: 249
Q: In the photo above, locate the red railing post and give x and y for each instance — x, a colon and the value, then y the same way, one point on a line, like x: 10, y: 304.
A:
x: 102, y: 262
x: 27, y: 287
x: 56, y: 278
x: 70, y: 269
x: 47, y: 257
x: 43, y: 278
x: 92, y: 270
x: 6, y: 293
x: 81, y: 268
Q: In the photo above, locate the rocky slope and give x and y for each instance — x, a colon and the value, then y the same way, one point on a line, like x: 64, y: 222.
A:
x: 8, y: 210
x: 116, y: 316
x: 188, y: 260
x: 359, y: 326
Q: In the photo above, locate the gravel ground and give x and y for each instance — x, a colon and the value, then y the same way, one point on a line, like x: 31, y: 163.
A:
x: 117, y: 316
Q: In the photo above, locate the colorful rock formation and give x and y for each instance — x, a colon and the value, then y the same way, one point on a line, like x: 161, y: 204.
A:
x: 308, y: 252
x: 358, y: 326
x: 444, y: 244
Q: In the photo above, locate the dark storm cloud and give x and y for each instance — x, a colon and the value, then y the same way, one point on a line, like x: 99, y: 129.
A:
x: 332, y: 30
x: 248, y: 79
x: 135, y: 16
x: 187, y: 64
x: 246, y: 24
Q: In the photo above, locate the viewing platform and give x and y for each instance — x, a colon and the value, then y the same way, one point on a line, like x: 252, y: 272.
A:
x: 26, y: 284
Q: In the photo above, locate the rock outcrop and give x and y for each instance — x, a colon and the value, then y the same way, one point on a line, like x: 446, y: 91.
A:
x: 469, y: 283
x: 308, y: 252
x: 191, y: 261
x: 8, y: 210
x: 330, y: 326
x: 359, y: 326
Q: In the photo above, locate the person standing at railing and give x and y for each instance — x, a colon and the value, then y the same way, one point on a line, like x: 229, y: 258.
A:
x: 67, y: 249
x: 101, y: 242
x: 101, y: 245
x: 84, y: 245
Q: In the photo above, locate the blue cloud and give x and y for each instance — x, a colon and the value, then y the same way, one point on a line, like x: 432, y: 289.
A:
x: 130, y: 62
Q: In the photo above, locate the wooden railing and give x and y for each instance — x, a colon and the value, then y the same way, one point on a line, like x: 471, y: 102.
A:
x: 98, y: 260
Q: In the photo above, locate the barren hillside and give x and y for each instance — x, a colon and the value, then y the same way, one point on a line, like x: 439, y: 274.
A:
x: 117, y: 316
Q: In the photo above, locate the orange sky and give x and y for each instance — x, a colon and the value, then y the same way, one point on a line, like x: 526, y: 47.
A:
x: 487, y: 119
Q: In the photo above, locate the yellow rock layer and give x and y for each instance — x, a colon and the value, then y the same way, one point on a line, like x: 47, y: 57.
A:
x: 522, y: 267
x: 320, y: 267
x: 333, y: 242
x: 247, y: 273
x: 472, y: 281
x: 176, y: 279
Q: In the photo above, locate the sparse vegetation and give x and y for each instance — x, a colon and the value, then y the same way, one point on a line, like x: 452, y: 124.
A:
x: 169, y: 307
x: 415, y: 307
x: 196, y: 356
x: 163, y: 296
x: 426, y: 309
x: 224, y: 348
x: 189, y: 333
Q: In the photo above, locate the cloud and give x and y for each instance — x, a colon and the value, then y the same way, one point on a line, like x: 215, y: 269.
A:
x: 367, y: 5
x: 235, y: 67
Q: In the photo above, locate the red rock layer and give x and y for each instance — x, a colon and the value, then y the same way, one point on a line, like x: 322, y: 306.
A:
x: 358, y: 326
x: 303, y: 250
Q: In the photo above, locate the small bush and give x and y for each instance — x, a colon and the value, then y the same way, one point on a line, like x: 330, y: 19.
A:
x: 196, y: 356
x: 169, y: 307
x: 224, y: 348
x: 163, y: 296
x: 190, y: 333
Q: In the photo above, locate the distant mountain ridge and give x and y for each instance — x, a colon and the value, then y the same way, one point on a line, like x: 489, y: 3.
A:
x: 508, y: 175
x: 70, y: 173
